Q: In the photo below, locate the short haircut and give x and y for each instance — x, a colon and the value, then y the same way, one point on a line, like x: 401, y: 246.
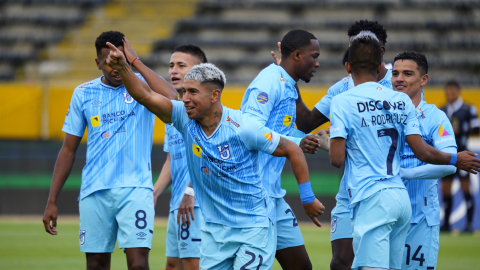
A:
x: 207, y: 73
x: 295, y: 40
x: 453, y: 83
x: 114, y: 37
x: 365, y: 25
x: 420, y: 59
x: 365, y: 54
x: 345, y: 58
x: 192, y: 50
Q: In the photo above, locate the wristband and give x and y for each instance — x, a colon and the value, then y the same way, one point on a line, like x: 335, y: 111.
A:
x: 453, y: 159
x: 190, y: 191
x: 306, y: 192
x: 136, y: 58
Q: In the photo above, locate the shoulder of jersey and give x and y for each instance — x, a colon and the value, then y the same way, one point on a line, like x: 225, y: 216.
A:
x: 340, y: 84
x: 265, y: 78
x: 90, y: 84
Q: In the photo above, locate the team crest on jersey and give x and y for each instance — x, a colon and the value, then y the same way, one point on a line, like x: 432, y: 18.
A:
x: 197, y: 151
x: 224, y: 151
x: 334, y: 225
x: 282, y: 79
x: 128, y: 99
x: 287, y: 120
x: 82, y: 237
x: 421, y: 113
x: 262, y: 98
x: 205, y: 170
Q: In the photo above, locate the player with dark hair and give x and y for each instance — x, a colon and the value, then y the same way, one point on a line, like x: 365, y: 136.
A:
x: 372, y: 114
x: 182, y: 249
x: 341, y: 232
x: 409, y: 76
x: 464, y: 120
x: 116, y: 200
x: 225, y: 143
x: 271, y: 98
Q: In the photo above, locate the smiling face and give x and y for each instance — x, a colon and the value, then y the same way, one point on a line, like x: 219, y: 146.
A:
x: 180, y: 64
x: 308, y: 61
x: 199, y: 98
x: 111, y: 77
x: 407, y: 78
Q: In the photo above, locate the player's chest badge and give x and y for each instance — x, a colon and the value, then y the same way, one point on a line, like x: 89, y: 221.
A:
x: 224, y: 151
x: 128, y: 99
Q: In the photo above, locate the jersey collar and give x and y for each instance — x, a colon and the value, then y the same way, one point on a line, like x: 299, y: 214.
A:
x: 108, y: 86
x: 286, y: 77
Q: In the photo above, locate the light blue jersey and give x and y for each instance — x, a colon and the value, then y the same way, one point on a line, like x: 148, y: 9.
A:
x: 119, y: 139
x: 323, y: 106
x: 224, y: 167
x: 272, y: 96
x: 436, y: 131
x: 372, y: 118
x: 175, y: 146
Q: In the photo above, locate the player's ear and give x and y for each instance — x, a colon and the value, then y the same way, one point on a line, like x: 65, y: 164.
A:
x: 296, y: 55
x: 379, y: 69
x: 216, y: 95
x: 424, y: 80
x: 98, y: 63
x: 348, y: 68
x: 383, y: 50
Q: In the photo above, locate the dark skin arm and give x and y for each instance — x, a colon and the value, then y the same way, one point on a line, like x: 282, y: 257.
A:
x: 157, y: 83
x: 297, y: 159
x: 63, y: 167
x: 429, y: 154
x: 337, y: 151
x: 308, y: 120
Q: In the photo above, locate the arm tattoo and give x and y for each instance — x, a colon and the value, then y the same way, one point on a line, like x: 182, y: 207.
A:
x: 283, y: 143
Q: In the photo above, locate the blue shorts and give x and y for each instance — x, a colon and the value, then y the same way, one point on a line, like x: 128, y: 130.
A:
x: 226, y: 248
x: 184, y: 241
x: 421, y: 247
x: 126, y: 214
x: 341, y: 223
x: 287, y: 230
x: 380, y: 225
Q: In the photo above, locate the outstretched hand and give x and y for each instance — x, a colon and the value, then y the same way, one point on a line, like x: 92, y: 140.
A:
x: 313, y: 210
x: 277, y: 59
x: 115, y: 59
x: 129, y: 51
x: 466, y: 161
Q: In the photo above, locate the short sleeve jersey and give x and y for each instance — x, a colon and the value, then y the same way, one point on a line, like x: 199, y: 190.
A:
x: 374, y: 120
x: 272, y: 96
x: 175, y: 146
x: 436, y: 131
x: 224, y: 167
x: 119, y: 141
x: 323, y: 106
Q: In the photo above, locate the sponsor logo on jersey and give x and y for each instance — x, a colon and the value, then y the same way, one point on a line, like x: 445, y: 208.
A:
x: 205, y: 170
x: 287, y: 120
x: 331, y: 120
x: 282, y: 79
x: 95, y: 120
x: 379, y: 89
x: 445, y: 140
x: 128, y: 99
x: 254, y: 109
x: 82, y: 237
x: 68, y: 111
x: 224, y: 151
x: 421, y: 113
x: 262, y: 97
x: 141, y: 236
x: 105, y: 135
x: 334, y: 225
x: 120, y: 130
x: 442, y: 131
x: 233, y: 122
x: 109, y: 118
x: 183, y: 246
x: 96, y: 104
x: 197, y: 151
x: 269, y: 136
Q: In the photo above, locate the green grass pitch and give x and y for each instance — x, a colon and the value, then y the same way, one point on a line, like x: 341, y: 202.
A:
x: 25, y: 245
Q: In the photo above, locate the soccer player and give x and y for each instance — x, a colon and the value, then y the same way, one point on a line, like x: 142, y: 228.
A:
x: 182, y: 249
x: 369, y: 123
x: 409, y: 76
x: 341, y: 231
x: 464, y: 120
x: 223, y: 146
x: 271, y: 98
x: 116, y: 200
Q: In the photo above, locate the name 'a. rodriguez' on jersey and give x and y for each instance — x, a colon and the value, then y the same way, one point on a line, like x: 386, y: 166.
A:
x: 374, y: 120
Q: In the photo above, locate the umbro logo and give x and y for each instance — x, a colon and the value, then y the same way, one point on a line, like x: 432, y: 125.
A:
x: 141, y: 234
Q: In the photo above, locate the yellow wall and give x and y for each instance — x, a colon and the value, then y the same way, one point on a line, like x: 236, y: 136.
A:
x: 20, y: 112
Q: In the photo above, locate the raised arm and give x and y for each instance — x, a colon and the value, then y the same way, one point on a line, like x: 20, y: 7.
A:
x: 156, y: 83
x: 142, y: 93
x: 312, y: 206
x: 426, y: 153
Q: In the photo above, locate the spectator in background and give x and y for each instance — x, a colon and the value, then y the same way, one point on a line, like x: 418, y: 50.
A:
x: 464, y: 121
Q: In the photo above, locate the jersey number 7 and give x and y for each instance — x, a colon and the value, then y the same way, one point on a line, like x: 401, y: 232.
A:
x: 393, y: 134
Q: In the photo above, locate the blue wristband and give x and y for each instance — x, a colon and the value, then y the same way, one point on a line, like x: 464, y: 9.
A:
x: 453, y: 159
x: 306, y: 192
